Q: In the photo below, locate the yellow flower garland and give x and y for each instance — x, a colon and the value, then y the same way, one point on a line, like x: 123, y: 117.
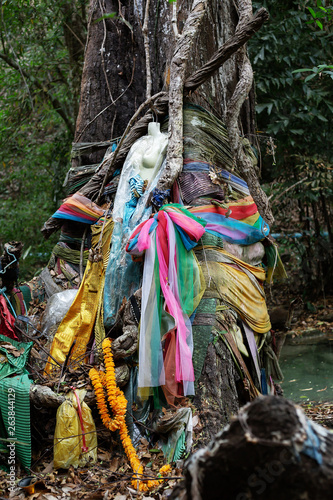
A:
x: 118, y: 403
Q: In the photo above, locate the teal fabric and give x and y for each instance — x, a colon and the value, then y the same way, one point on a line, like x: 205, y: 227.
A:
x: 176, y: 434
x: 9, y: 364
x: 20, y: 386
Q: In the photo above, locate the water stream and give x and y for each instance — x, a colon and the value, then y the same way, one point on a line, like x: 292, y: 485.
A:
x: 308, y: 372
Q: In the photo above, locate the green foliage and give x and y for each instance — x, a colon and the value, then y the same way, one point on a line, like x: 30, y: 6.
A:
x: 41, y: 52
x: 111, y: 15
x: 321, y: 12
x: 317, y: 177
x: 293, y: 107
x: 322, y: 69
x: 292, y: 60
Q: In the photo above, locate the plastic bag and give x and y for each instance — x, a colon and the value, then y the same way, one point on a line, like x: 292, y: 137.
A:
x: 56, y: 309
x: 71, y: 446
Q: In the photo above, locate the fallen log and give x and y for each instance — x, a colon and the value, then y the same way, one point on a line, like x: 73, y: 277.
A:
x: 271, y: 451
x: 44, y: 396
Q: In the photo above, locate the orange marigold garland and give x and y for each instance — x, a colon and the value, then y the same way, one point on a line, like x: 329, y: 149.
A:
x: 118, y: 403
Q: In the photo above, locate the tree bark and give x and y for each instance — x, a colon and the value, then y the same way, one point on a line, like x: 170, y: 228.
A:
x: 103, y: 115
x: 216, y: 398
x: 271, y: 450
x: 216, y: 402
x: 176, y: 94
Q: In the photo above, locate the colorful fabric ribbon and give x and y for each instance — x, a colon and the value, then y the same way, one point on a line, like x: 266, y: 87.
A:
x: 237, y: 223
x: 7, y: 320
x: 173, y: 284
x: 233, y: 180
x: 80, y: 209
x: 239, y: 284
x: 172, y: 288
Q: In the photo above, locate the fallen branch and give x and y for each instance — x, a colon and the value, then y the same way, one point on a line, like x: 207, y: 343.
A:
x: 42, y: 395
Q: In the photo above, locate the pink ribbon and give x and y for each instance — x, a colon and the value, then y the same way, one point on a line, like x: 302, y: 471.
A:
x: 84, y: 447
x: 169, y: 286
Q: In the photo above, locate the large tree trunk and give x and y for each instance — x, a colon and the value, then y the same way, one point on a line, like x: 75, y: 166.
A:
x: 114, y: 75
x: 112, y: 89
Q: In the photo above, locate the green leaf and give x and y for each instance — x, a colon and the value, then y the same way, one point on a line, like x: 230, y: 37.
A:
x: 312, y: 12
x: 310, y: 77
x: 260, y: 55
x: 319, y: 24
x: 26, y: 253
x: 299, y: 131
x: 127, y: 23
x: 302, y: 70
x: 330, y: 106
x: 261, y: 107
x: 322, y: 118
x: 110, y: 15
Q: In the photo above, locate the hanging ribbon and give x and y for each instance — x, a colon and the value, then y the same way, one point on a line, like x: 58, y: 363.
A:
x: 171, y: 273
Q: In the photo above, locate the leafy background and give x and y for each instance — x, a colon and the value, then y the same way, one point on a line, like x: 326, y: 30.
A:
x: 41, y: 57
x: 292, y: 60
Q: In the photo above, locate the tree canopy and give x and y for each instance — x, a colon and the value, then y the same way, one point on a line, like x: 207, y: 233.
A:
x: 41, y: 57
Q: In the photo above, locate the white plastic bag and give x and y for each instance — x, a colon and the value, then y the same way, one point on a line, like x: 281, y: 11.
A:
x: 56, y: 309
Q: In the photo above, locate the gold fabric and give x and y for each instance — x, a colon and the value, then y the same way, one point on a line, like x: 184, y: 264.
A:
x: 99, y: 323
x: 239, y: 284
x: 80, y: 319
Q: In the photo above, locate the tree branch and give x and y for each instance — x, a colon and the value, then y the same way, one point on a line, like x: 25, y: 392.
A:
x: 243, y: 33
x: 286, y: 190
x: 146, y: 43
x: 53, y: 100
x: 122, y: 140
x: 224, y: 53
x: 174, y: 19
x: 174, y: 163
x: 240, y: 94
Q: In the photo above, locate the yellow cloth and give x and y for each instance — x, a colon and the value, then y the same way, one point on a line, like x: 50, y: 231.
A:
x: 99, y: 323
x: 80, y: 319
x: 68, y: 440
x: 239, y: 284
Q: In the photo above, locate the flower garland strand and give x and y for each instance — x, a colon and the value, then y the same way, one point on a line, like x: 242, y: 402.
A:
x: 118, y: 403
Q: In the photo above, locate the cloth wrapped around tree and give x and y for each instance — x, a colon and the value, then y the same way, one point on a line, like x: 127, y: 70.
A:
x: 87, y: 308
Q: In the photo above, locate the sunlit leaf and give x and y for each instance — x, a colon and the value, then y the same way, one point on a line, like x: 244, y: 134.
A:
x: 110, y: 15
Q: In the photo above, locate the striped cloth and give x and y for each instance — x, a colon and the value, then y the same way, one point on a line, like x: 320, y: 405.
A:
x: 80, y: 209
